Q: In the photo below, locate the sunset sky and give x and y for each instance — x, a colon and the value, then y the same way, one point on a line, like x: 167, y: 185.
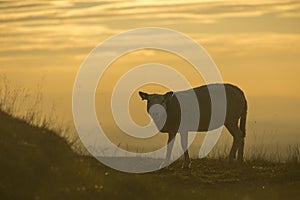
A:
x: 255, y: 45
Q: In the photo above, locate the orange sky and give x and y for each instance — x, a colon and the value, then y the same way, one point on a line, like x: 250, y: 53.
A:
x: 255, y: 45
x: 259, y: 41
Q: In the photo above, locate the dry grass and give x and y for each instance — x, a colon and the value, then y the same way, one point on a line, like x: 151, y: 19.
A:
x: 28, y: 105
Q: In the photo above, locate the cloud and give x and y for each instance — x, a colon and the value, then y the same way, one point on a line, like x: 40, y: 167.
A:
x: 144, y: 9
x: 52, y: 37
x: 54, y: 25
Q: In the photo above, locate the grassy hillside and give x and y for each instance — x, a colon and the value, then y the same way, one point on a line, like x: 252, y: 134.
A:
x: 36, y: 163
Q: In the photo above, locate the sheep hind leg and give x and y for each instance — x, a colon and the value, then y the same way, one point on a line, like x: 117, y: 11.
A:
x: 238, y: 142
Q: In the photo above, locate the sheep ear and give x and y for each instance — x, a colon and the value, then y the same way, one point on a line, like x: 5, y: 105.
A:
x: 143, y: 95
x: 168, y: 95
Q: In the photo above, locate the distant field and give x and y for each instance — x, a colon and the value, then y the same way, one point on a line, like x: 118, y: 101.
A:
x: 36, y: 163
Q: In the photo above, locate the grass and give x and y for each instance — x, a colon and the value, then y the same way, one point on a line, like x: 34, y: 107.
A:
x: 36, y: 162
x: 28, y: 105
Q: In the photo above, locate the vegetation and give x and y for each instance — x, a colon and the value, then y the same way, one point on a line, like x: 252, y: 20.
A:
x: 38, y: 163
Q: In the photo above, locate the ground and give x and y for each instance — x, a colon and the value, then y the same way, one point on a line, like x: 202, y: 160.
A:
x: 36, y: 163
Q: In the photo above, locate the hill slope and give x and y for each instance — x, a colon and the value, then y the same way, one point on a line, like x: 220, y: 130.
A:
x: 35, y: 163
x: 31, y: 159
